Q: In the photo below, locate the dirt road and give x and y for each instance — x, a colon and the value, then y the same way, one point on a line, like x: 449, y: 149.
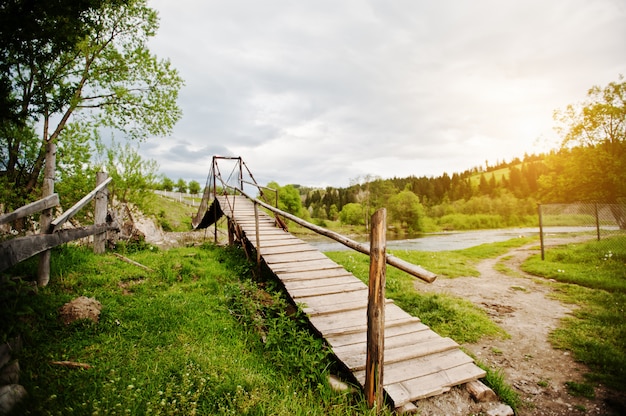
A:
x: 522, y: 306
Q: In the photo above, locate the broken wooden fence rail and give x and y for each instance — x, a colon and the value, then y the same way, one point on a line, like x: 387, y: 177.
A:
x: 67, y: 215
x: 16, y: 250
x: 32, y: 208
x: 19, y: 249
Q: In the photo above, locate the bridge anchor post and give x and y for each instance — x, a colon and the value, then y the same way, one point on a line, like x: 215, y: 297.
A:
x: 376, y: 312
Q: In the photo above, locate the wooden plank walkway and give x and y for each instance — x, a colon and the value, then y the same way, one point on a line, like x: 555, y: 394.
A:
x: 418, y: 362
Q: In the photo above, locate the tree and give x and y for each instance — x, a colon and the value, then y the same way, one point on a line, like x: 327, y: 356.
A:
x: 194, y: 187
x: 599, y: 120
x: 133, y: 177
x: 591, y: 163
x: 352, y: 214
x: 91, y: 59
x: 33, y: 34
x: 167, y: 184
x: 181, y: 186
x: 97, y: 65
x: 405, y: 208
x: 77, y: 173
x: 288, y: 198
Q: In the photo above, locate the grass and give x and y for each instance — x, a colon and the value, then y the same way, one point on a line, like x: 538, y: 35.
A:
x: 592, y: 276
x: 170, y: 214
x: 199, y: 336
x: 580, y: 389
x: 195, y: 336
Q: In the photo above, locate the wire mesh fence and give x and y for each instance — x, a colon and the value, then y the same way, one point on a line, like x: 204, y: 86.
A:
x: 588, y: 220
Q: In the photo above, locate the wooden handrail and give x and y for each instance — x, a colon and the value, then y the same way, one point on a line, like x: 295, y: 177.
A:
x: 396, y: 262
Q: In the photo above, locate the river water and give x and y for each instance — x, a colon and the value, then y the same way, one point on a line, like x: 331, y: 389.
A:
x: 451, y: 240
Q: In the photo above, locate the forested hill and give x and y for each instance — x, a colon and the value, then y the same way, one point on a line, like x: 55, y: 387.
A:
x: 500, y: 195
x: 518, y: 178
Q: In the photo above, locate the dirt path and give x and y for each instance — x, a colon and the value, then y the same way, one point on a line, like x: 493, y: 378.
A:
x: 522, y: 307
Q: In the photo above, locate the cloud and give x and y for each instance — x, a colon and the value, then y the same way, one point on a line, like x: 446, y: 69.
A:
x: 319, y: 93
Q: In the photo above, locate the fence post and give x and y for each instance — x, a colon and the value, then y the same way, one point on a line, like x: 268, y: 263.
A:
x: 43, y: 270
x: 541, y: 231
x: 595, y: 206
x: 100, y: 214
x: 258, y: 240
x: 376, y: 312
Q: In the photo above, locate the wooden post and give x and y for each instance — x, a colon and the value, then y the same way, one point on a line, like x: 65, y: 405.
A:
x: 376, y: 312
x: 543, y: 254
x: 595, y: 208
x: 43, y: 270
x: 258, y: 240
x: 100, y: 214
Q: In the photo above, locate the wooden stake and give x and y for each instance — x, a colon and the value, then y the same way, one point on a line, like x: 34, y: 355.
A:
x: 133, y: 262
x: 71, y: 364
x: 376, y: 312
x: 45, y: 219
x: 258, y: 241
x: 100, y: 214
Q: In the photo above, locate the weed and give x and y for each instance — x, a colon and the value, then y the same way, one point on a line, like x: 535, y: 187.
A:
x: 580, y: 389
x: 496, y: 351
x: 495, y: 380
x: 543, y: 383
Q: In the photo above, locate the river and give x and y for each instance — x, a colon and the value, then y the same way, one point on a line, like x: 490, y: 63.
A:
x: 451, y: 240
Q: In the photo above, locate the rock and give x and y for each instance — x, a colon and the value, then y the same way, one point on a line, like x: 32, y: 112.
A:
x: 10, y: 396
x: 80, y: 308
x: 337, y: 385
x: 10, y: 373
x: 407, y: 409
x: 500, y: 410
x: 5, y: 354
x: 10, y: 347
x: 527, y: 387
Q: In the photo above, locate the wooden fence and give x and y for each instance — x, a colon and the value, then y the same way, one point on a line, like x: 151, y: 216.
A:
x: 18, y: 249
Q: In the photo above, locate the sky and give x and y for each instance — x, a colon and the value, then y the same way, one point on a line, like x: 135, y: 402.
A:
x: 326, y: 93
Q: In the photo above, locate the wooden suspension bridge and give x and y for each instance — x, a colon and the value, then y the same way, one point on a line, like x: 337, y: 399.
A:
x: 418, y: 363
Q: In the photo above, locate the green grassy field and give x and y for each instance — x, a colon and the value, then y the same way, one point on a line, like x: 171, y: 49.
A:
x: 199, y: 335
x: 195, y: 336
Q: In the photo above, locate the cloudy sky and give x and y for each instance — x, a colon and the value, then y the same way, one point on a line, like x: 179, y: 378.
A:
x: 323, y: 92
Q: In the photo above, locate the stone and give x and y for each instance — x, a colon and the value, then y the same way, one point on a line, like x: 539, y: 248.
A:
x: 500, y: 410
x: 10, y: 396
x: 80, y: 308
x: 338, y: 385
x: 10, y: 373
x: 5, y: 354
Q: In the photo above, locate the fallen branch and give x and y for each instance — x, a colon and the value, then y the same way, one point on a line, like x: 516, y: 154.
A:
x: 71, y: 364
x: 134, y: 263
